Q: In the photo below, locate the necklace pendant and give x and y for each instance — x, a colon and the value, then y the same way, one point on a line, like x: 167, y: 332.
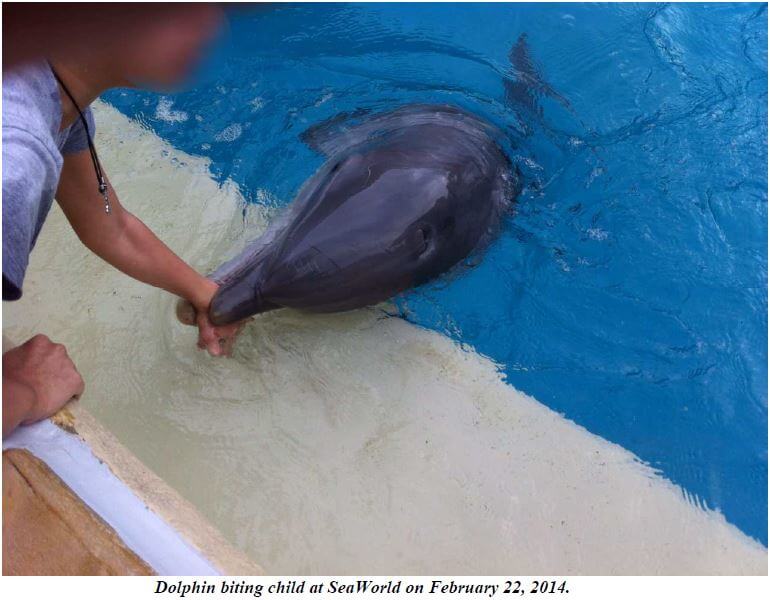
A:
x: 105, y: 195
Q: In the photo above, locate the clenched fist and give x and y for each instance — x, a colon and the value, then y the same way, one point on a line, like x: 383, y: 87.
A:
x: 38, y: 379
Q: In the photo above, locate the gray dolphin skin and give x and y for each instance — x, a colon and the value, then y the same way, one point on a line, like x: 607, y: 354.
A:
x: 403, y: 197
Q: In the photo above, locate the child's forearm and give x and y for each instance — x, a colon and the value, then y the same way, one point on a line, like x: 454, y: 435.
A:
x: 141, y: 255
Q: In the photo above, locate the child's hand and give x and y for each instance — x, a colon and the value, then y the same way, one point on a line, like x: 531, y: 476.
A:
x: 219, y: 341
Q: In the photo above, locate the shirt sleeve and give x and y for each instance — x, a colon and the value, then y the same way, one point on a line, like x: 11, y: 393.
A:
x: 29, y: 175
x: 77, y: 139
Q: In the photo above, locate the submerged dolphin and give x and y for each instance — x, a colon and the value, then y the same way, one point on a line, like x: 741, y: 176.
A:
x: 402, y: 198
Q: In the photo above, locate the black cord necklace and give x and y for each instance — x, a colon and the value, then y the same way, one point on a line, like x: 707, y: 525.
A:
x: 92, y: 149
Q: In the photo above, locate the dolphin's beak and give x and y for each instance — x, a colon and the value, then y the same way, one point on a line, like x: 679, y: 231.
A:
x: 237, y: 300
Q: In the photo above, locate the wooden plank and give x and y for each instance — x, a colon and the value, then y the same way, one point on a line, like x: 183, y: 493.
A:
x: 48, y: 530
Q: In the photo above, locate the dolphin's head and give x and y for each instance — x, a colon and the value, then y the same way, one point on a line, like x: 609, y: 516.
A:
x: 386, y: 212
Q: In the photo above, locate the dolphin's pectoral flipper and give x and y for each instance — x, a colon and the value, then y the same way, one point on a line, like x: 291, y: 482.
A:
x: 334, y: 134
x: 526, y: 83
x: 345, y: 130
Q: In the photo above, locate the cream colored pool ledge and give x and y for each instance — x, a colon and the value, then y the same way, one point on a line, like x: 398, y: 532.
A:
x: 149, y: 517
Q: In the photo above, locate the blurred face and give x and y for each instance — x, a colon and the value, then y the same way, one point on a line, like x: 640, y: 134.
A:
x: 147, y: 44
x: 163, y: 50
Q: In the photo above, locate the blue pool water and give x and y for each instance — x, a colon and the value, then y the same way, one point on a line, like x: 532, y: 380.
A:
x: 629, y: 291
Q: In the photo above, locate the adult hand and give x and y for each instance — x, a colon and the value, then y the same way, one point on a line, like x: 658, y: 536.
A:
x: 38, y: 379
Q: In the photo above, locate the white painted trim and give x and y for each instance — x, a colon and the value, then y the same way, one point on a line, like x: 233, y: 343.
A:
x: 144, y: 532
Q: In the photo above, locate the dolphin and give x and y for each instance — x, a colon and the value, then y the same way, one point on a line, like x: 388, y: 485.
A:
x: 402, y: 197
x: 527, y: 84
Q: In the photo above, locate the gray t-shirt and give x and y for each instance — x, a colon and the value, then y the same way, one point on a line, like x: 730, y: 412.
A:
x: 33, y: 149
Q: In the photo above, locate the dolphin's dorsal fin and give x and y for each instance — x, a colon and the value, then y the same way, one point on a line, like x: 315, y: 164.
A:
x: 527, y: 82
